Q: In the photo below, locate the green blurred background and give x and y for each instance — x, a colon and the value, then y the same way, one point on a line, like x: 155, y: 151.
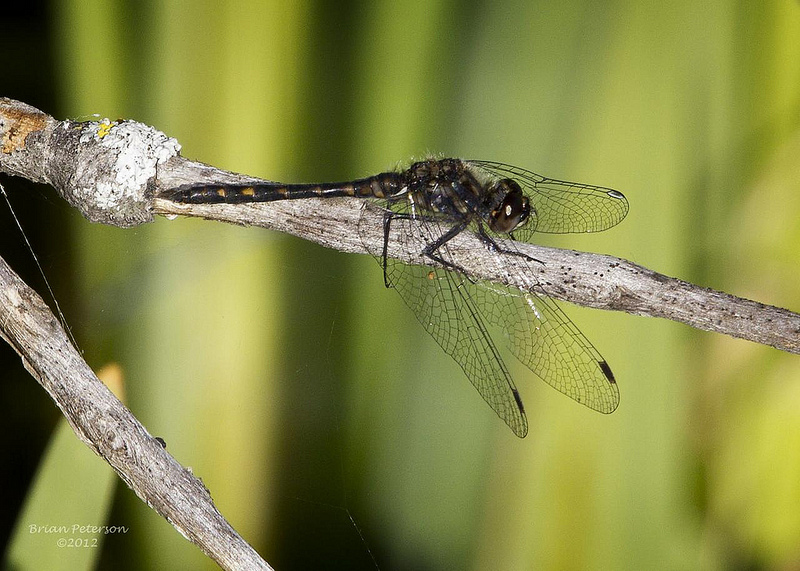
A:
x: 331, y: 430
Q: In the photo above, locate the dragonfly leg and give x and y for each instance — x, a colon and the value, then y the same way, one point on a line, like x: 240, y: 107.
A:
x: 431, y: 249
x: 387, y: 224
x: 495, y: 247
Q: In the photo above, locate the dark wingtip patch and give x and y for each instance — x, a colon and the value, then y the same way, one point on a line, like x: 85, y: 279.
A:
x: 519, y: 400
x: 607, y: 372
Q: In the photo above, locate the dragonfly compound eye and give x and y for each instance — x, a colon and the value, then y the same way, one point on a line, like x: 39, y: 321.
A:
x: 514, y: 209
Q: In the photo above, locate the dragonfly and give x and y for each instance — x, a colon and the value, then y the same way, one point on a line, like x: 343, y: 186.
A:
x: 432, y: 202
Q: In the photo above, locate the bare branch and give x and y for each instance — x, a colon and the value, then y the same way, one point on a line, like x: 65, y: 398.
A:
x: 591, y: 280
x: 105, y: 425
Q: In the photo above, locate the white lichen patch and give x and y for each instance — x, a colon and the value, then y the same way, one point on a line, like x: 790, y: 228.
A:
x: 120, y: 158
x: 141, y: 149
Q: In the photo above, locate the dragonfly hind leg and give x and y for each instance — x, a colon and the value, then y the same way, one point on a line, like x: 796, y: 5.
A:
x: 429, y: 251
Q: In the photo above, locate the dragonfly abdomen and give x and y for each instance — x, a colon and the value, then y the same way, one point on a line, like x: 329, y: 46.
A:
x: 383, y: 185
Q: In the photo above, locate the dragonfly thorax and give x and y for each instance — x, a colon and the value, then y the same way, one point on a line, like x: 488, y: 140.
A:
x: 445, y: 186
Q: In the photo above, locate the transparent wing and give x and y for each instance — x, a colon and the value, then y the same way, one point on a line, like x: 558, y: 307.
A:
x: 561, y: 206
x: 546, y: 341
x: 444, y: 304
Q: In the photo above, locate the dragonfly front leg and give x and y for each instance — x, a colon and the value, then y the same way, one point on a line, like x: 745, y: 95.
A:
x: 495, y: 247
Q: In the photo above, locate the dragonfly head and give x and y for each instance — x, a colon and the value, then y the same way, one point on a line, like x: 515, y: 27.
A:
x: 512, y: 208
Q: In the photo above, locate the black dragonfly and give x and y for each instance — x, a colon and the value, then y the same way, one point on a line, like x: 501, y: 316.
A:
x: 431, y: 203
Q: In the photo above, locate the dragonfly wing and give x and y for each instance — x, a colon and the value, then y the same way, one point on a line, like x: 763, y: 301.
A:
x: 546, y: 341
x: 442, y: 302
x: 561, y: 206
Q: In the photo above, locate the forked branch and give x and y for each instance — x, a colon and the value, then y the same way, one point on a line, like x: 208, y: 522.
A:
x: 98, y: 418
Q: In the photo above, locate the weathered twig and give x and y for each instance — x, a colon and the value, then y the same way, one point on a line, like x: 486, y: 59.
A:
x: 105, y: 425
x: 114, y: 172
x: 592, y: 280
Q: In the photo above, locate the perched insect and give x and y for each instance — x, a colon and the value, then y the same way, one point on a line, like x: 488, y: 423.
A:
x: 431, y: 203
